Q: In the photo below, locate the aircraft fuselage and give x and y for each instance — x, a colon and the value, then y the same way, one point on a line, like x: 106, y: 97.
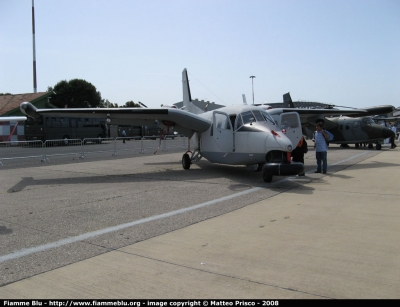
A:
x: 349, y: 130
x: 245, y: 135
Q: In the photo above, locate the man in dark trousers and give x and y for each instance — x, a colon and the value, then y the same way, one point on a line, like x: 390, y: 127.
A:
x: 321, y: 148
x: 299, y: 151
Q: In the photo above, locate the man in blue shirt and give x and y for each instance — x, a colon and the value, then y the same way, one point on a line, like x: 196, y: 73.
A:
x: 321, y: 147
x: 393, y: 144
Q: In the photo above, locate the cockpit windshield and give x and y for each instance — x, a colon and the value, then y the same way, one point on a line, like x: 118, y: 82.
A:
x: 367, y: 121
x: 268, y: 117
x: 250, y: 117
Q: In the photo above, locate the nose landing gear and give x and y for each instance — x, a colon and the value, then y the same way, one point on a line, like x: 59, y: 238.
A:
x: 188, y: 160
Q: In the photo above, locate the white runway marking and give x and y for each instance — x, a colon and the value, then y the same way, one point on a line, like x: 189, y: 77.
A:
x: 88, y: 235
x: 40, y: 248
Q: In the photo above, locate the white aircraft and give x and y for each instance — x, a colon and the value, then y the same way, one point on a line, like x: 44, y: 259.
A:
x: 238, y: 135
x: 12, y: 118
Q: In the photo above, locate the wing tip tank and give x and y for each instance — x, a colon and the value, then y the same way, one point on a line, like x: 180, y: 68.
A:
x: 29, y: 109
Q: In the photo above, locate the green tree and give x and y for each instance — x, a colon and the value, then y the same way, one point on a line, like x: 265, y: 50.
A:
x: 76, y: 93
x: 105, y: 103
x: 131, y: 104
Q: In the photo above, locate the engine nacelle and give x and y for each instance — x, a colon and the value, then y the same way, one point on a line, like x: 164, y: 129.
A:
x: 29, y: 110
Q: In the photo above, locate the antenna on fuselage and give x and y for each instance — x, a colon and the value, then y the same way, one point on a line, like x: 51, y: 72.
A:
x: 244, y: 99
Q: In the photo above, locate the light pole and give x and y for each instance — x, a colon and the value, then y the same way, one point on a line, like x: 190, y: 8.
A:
x: 34, y: 49
x: 252, y: 86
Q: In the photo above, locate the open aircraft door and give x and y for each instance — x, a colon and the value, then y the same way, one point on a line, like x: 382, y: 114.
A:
x: 223, y: 131
x: 290, y: 122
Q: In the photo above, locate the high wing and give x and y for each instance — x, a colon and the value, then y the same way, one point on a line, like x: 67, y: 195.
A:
x: 182, y: 121
x: 12, y: 118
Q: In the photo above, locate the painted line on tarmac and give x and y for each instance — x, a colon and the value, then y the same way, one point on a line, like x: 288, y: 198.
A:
x: 341, y: 161
x: 40, y: 248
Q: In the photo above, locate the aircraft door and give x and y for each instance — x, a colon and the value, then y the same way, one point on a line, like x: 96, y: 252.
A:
x: 357, y: 132
x: 223, y: 131
x: 291, y: 123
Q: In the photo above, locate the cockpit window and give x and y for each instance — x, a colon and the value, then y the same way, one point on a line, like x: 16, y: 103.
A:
x: 247, y: 117
x: 268, y: 117
x: 258, y: 116
x: 367, y: 121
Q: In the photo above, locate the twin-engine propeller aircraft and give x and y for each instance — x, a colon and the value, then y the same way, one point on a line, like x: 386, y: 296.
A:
x: 241, y: 135
x: 348, y: 126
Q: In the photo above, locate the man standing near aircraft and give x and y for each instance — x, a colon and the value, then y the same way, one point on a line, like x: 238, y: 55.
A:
x: 321, y: 147
x: 393, y: 127
x: 299, y: 151
x: 123, y: 135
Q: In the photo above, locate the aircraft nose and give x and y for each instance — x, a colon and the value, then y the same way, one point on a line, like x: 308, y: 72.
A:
x: 387, y: 133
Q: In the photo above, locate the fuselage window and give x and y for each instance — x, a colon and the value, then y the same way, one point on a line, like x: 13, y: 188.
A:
x: 289, y: 121
x: 221, y: 121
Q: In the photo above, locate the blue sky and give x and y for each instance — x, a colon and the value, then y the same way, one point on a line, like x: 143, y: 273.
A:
x: 343, y: 52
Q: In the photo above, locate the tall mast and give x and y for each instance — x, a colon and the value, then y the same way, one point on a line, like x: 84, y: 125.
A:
x: 34, y: 49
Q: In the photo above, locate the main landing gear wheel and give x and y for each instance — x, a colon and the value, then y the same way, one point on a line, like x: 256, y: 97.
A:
x: 186, y: 161
x: 378, y: 146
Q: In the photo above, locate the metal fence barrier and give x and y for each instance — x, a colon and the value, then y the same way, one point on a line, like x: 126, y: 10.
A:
x: 20, y: 150
x: 82, y: 148
x: 70, y: 147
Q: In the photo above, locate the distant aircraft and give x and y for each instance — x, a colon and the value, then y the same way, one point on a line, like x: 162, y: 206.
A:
x: 348, y: 126
x: 241, y: 135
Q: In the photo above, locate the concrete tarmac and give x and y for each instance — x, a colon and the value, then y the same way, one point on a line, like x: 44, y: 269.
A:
x: 333, y: 236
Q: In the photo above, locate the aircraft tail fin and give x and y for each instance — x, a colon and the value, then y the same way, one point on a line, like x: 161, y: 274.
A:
x: 187, y: 97
x: 287, y: 101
